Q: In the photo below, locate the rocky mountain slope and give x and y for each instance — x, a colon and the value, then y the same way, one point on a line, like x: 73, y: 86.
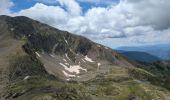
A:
x: 39, y: 62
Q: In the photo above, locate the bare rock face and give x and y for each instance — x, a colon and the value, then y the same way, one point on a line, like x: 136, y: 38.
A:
x: 63, y: 54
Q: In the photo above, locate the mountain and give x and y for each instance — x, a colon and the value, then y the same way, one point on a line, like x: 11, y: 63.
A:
x: 39, y: 62
x: 161, y: 51
x: 140, y: 56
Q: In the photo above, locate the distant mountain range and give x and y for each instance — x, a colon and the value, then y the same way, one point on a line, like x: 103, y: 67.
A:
x: 140, y: 56
x: 161, y: 51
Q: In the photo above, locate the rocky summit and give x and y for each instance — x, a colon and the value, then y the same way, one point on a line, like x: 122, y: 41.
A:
x: 39, y: 62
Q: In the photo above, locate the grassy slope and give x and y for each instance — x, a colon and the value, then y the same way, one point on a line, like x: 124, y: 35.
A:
x: 8, y: 47
x: 118, y: 84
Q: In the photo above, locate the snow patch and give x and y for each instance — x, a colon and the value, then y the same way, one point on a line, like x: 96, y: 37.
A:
x: 68, y: 75
x: 26, y: 77
x: 37, y: 54
x: 12, y: 29
x: 78, y: 77
x: 71, y: 50
x: 63, y: 65
x: 83, y: 60
x: 67, y: 57
x: 65, y: 40
x: 65, y: 60
x: 67, y: 64
x: 53, y: 56
x: 73, y: 68
x: 88, y: 59
x: 98, y: 64
x: 55, y: 46
x: 29, y: 35
x: 76, y: 69
x: 68, y: 79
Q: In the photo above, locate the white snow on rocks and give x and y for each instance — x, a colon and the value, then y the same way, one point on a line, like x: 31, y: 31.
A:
x: 76, y: 69
x: 67, y: 57
x: 12, y: 29
x: 53, y: 56
x: 63, y: 65
x: 26, y: 77
x: 55, y: 46
x: 37, y: 54
x: 71, y: 50
x: 67, y: 64
x: 98, y: 64
x: 68, y: 79
x: 73, y: 68
x: 68, y: 75
x: 65, y: 40
x: 88, y: 59
x: 29, y: 35
x: 65, y: 60
x: 83, y: 60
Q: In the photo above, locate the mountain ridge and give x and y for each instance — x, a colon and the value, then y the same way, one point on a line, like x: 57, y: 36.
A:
x: 160, y: 50
x: 49, y: 41
x: 140, y: 56
x: 40, y: 62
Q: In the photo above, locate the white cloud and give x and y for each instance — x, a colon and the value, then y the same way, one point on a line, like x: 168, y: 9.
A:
x: 130, y: 21
x: 150, y: 12
x: 52, y: 15
x: 72, y: 6
x: 5, y: 6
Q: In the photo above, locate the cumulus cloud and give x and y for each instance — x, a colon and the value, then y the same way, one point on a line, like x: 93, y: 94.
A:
x: 5, y: 6
x: 150, y: 12
x: 72, y: 6
x: 129, y: 21
x: 52, y: 15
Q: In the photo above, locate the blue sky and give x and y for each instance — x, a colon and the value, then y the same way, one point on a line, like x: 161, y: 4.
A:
x: 112, y: 23
x: 21, y: 4
x: 25, y: 4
